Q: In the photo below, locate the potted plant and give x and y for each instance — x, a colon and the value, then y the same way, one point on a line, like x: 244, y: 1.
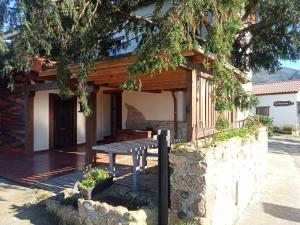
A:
x: 94, y: 181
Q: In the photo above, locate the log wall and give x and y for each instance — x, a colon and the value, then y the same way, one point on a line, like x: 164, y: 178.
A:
x: 12, y: 121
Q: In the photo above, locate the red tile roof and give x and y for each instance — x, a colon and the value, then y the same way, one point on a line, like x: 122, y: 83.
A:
x: 280, y: 87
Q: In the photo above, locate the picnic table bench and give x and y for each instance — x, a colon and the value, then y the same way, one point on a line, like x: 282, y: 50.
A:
x: 137, y: 148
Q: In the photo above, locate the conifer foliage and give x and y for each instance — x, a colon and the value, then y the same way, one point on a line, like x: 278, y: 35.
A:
x: 249, y: 34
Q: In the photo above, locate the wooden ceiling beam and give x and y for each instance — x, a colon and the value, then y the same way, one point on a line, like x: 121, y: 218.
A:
x: 169, y: 75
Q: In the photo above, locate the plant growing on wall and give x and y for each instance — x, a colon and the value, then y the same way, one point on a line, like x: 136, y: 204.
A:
x: 80, y: 31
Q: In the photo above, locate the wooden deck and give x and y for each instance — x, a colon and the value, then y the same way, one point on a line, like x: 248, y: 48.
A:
x: 55, y: 170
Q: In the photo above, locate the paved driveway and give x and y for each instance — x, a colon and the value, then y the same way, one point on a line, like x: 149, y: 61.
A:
x: 277, y: 201
x: 21, y: 206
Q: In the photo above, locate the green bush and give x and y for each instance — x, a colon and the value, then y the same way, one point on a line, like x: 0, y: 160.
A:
x: 267, y: 121
x: 222, y: 123
x: 241, y: 132
x: 67, y: 201
x: 93, y: 177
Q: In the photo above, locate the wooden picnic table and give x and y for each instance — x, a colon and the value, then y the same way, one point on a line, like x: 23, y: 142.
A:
x: 137, y: 148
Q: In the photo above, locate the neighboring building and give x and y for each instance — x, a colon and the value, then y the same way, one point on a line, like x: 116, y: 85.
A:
x: 280, y: 100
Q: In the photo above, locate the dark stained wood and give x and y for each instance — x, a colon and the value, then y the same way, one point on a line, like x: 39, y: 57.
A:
x: 29, y: 121
x: 175, y: 114
x: 113, y: 91
x: 51, y: 121
x: 43, y: 86
x: 62, y: 135
x: 191, y: 105
x: 91, y: 127
x: 12, y: 120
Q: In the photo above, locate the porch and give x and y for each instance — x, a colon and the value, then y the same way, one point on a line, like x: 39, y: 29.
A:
x: 59, y: 169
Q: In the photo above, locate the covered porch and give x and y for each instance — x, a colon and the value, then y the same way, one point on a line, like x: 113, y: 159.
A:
x: 178, y: 100
x: 60, y: 169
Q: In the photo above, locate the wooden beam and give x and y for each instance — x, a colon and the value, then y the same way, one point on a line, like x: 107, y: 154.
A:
x: 191, y: 105
x: 113, y: 91
x: 175, y: 114
x: 42, y: 86
x: 91, y: 127
x: 29, y: 123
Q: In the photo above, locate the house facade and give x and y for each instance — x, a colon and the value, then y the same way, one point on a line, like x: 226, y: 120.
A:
x: 281, y: 101
x: 34, y: 118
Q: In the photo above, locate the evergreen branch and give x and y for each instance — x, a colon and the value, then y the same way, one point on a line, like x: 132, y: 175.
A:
x: 80, y: 16
x: 262, y: 24
x: 131, y: 15
x: 95, y: 10
x: 250, y: 8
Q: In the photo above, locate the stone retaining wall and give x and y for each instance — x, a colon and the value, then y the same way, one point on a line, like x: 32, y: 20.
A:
x: 212, y: 185
x: 98, y: 212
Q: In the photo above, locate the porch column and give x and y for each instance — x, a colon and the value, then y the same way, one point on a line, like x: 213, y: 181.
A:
x: 175, y: 114
x: 91, y: 126
x: 191, y: 105
x: 29, y: 112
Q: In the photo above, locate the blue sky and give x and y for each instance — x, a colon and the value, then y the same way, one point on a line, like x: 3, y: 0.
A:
x: 293, y: 65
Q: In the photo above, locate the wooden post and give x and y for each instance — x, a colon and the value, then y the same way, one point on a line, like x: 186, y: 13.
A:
x: 175, y: 115
x: 91, y: 127
x: 164, y: 178
x: 29, y: 112
x: 191, y: 105
x: 234, y: 118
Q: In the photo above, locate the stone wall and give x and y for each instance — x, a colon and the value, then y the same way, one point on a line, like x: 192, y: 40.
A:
x: 92, y: 212
x: 211, y: 185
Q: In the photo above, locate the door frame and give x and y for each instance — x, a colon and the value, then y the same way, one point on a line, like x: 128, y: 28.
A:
x: 118, y: 108
x: 52, y: 98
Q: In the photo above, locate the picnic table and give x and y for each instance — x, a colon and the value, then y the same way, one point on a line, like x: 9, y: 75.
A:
x: 137, y: 148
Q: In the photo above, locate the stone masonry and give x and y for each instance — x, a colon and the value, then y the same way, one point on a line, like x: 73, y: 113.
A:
x: 211, y: 185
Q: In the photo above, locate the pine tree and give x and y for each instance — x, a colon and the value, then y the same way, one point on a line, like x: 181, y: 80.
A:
x: 250, y: 34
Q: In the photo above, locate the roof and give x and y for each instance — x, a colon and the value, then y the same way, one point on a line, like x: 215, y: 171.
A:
x: 280, y: 87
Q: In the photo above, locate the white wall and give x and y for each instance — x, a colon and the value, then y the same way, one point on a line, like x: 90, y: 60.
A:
x: 154, y: 106
x: 41, y: 119
x: 282, y: 115
x: 80, y: 126
x: 103, y: 114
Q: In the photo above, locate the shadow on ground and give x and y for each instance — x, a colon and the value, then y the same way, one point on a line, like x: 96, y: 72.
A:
x: 35, y: 213
x: 282, y: 212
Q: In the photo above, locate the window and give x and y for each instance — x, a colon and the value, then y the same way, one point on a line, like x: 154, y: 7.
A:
x: 263, y: 110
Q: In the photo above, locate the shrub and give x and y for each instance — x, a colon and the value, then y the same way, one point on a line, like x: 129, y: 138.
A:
x: 92, y: 177
x: 267, y: 121
x: 222, y: 123
x: 241, y: 132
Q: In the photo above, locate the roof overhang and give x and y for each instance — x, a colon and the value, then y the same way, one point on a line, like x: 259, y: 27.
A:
x: 111, y: 71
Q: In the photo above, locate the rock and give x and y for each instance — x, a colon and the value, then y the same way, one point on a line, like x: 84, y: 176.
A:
x: 42, y: 195
x: 63, y: 215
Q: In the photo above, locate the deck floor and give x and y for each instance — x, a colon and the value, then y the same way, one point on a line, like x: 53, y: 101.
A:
x: 59, y: 169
